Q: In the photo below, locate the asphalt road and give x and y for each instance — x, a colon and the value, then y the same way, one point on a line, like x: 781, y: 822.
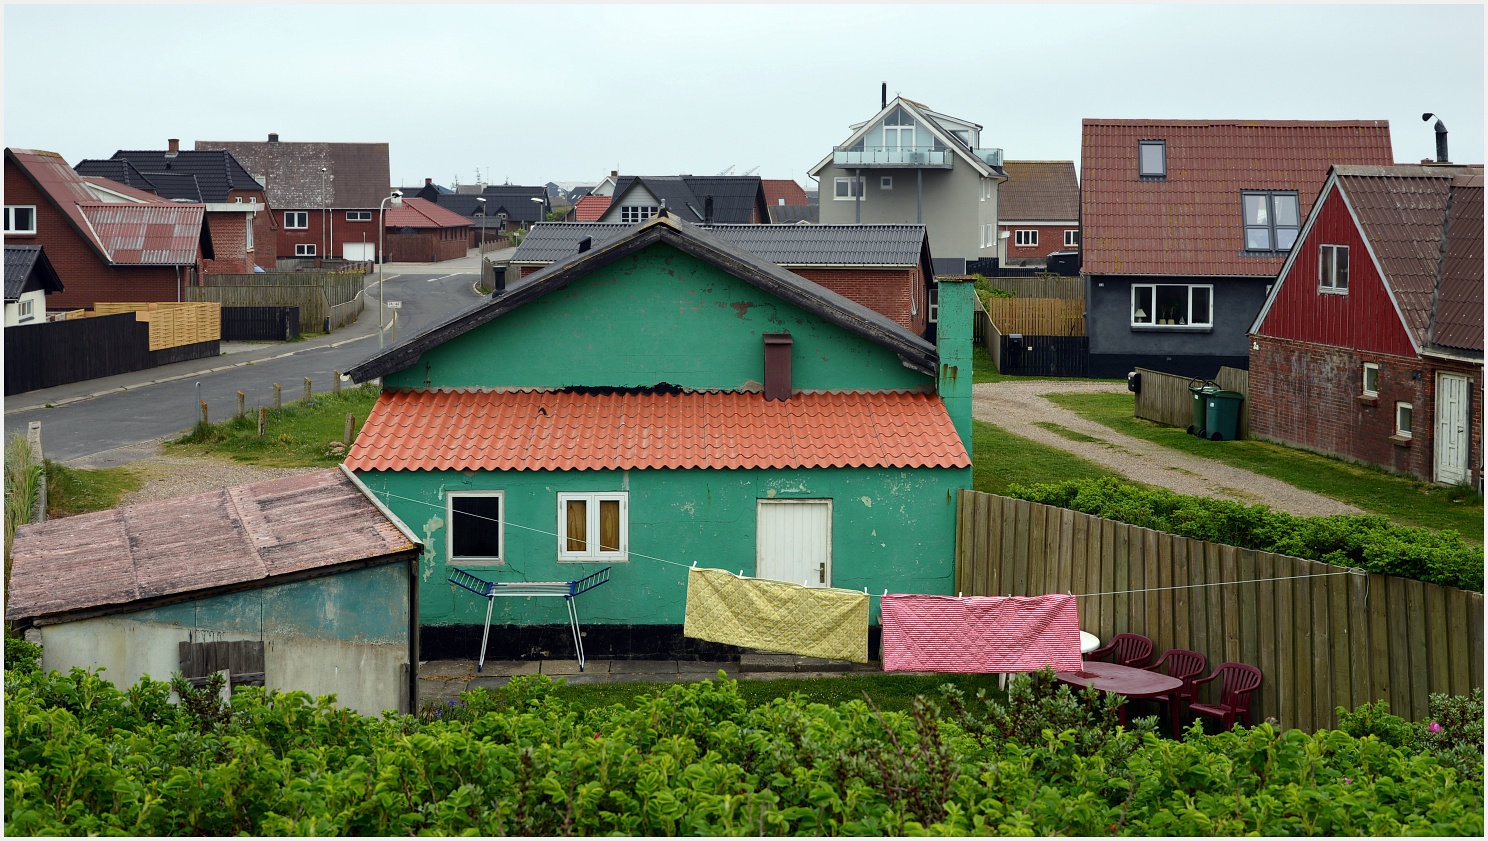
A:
x: 91, y: 418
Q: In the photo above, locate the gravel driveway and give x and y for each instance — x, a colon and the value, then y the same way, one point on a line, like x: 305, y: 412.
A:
x: 1017, y: 406
x: 170, y: 476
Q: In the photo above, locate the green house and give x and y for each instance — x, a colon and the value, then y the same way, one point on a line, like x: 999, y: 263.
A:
x: 660, y: 401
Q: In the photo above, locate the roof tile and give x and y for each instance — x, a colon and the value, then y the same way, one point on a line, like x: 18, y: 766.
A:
x: 1039, y: 190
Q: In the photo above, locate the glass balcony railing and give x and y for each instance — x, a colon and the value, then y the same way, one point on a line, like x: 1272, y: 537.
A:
x: 891, y: 156
x: 990, y: 157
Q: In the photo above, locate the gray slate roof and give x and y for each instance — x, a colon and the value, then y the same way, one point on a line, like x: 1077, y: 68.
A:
x: 28, y: 262
x: 197, y: 176
x: 117, y: 170
x: 783, y: 245
x: 791, y: 214
x: 735, y: 197
x: 356, y: 173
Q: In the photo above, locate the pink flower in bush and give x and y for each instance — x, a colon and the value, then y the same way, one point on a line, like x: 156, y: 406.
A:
x: 1433, y: 727
x: 1348, y: 781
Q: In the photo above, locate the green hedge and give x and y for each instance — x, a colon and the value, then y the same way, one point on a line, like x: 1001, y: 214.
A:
x: 1366, y: 541
x: 82, y: 757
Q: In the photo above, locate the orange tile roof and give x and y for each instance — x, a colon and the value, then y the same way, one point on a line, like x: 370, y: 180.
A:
x: 590, y: 208
x: 422, y: 213
x: 783, y: 188
x: 535, y: 430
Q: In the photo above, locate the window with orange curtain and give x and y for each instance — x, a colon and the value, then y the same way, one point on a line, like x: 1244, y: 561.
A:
x: 593, y: 526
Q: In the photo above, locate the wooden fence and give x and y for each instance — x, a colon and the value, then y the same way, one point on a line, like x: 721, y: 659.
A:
x: 1044, y: 356
x: 326, y: 300
x: 340, y: 287
x: 260, y: 324
x: 52, y: 353
x: 1068, y: 288
x: 1321, y: 640
x: 1038, y: 316
x: 1165, y: 398
x: 172, y: 324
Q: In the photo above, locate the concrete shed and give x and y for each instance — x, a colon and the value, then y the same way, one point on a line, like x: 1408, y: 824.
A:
x: 303, y: 583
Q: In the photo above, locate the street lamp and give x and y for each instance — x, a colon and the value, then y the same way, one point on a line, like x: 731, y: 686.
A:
x: 539, y: 201
x: 482, y: 209
x: 397, y: 199
x: 325, y: 214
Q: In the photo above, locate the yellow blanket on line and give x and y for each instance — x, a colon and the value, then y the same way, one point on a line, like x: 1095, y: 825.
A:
x: 776, y: 616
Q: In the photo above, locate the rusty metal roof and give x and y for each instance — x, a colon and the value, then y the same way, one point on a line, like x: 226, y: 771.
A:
x: 1458, y: 319
x: 419, y: 213
x: 1037, y: 190
x: 241, y: 537
x: 1189, y: 223
x: 548, y: 430
x: 146, y: 234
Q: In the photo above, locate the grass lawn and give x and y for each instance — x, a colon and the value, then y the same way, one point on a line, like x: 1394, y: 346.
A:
x: 1000, y: 458
x: 74, y: 491
x: 296, y: 436
x: 1403, y: 500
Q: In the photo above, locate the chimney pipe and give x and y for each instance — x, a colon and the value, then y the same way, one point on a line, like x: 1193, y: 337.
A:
x: 175, y: 146
x: 428, y: 182
x: 273, y: 138
x: 777, y: 366
x: 1441, y: 139
x: 883, y: 97
x: 585, y: 243
x: 708, y: 210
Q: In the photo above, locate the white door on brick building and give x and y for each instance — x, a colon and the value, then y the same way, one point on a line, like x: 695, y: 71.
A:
x: 1451, y: 439
x: 357, y: 250
x: 794, y: 541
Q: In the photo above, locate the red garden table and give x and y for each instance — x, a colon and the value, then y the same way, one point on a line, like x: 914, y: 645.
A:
x: 1121, y: 680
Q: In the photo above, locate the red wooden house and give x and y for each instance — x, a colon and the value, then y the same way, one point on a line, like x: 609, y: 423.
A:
x: 1370, y: 344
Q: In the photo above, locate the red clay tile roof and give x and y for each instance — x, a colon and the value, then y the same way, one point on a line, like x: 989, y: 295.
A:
x: 194, y: 543
x: 1037, y: 190
x: 1190, y: 222
x: 527, y: 430
x: 783, y: 188
x: 590, y: 208
x: 422, y: 213
x: 1458, y: 322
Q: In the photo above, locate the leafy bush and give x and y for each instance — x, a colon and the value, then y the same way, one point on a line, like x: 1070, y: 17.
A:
x: 1368, y: 542
x: 82, y: 757
x: 1375, y: 720
x: 1453, y: 733
x: 20, y: 656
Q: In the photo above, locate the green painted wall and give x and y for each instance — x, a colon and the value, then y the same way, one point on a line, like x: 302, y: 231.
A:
x: 657, y: 316
x: 361, y: 605
x: 891, y: 529
x: 953, y: 345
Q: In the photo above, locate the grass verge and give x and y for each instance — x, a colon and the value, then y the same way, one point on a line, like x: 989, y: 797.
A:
x: 76, y: 491
x: 1403, y: 500
x: 1000, y: 458
x: 299, y: 435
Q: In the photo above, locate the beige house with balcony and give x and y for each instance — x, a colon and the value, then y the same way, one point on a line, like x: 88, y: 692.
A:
x: 909, y: 164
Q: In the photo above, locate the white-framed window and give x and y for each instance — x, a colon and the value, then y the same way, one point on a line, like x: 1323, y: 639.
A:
x: 1025, y: 239
x: 847, y: 189
x: 25, y: 309
x: 934, y: 313
x: 477, y: 530
x: 594, y: 526
x: 1403, y: 412
x: 1333, y: 268
x: 1071, y: 238
x: 629, y: 215
x: 304, y: 249
x: 248, y: 237
x: 886, y: 182
x: 1371, y: 379
x: 1172, y: 304
x: 1272, y: 220
x: 989, y: 188
x: 1152, y: 158
x: 295, y: 219
x: 20, y: 218
x: 359, y: 216
x: 238, y: 199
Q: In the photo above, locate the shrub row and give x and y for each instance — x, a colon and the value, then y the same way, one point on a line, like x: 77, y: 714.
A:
x: 82, y: 757
x: 1366, y: 541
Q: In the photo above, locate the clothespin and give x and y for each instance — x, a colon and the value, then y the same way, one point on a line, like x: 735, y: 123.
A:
x: 741, y: 573
x: 865, y: 591
x: 694, y: 564
x: 886, y: 592
x: 959, y: 594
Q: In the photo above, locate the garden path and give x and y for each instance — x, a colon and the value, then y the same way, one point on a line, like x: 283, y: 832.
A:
x: 1017, y: 406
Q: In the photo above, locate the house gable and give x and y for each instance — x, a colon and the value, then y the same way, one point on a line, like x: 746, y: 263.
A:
x: 657, y: 315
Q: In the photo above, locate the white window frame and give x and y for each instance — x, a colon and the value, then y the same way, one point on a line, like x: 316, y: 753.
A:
x: 886, y: 182
x: 1026, y: 238
x: 1364, y: 384
x: 1153, y: 317
x: 592, y: 553
x: 359, y: 216
x: 304, y: 249
x: 630, y: 214
x: 10, y: 226
x: 846, y: 179
x: 449, y: 538
x: 248, y: 237
x: 933, y: 314
x: 25, y: 308
x: 1071, y: 237
x: 1406, y: 432
x: 1329, y: 283
x: 302, y: 216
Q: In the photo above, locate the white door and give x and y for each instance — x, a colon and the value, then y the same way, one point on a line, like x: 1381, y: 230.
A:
x: 1451, y: 428
x: 357, y: 250
x: 794, y: 541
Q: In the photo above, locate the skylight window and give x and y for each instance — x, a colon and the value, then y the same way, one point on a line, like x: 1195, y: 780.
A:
x: 1152, y: 159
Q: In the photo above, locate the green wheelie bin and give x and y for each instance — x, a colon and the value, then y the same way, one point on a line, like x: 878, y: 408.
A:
x: 1200, y: 389
x: 1222, y: 414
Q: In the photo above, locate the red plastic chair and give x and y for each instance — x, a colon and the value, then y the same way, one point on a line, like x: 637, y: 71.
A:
x: 1184, y: 665
x: 1130, y: 649
x: 1240, y: 681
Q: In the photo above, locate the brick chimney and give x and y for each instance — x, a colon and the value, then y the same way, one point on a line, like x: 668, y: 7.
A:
x: 428, y: 182
x: 615, y: 172
x: 273, y: 138
x: 175, y: 146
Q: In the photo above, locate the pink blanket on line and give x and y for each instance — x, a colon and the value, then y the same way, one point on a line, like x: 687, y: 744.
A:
x: 980, y: 634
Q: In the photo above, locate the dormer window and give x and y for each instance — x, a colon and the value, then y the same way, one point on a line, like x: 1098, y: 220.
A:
x: 1152, y: 158
x: 1271, y: 220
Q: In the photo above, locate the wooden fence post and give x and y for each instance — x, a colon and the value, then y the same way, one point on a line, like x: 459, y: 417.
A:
x: 307, y: 390
x: 350, y: 425
x: 204, y: 412
x: 263, y: 419
x: 276, y: 397
x: 336, y: 382
x: 242, y: 406
x: 39, y: 504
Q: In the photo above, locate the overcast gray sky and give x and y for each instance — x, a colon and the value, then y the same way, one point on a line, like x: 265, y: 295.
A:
x: 569, y: 92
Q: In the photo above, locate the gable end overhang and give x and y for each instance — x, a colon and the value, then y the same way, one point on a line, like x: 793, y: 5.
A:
x: 924, y: 116
x: 914, y: 352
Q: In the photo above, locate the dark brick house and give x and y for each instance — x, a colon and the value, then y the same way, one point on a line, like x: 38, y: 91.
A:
x: 1370, y: 345
x: 107, y: 241
x: 1038, y: 211
x: 496, y: 210
x: 242, y: 225
x: 420, y: 231
x: 325, y: 195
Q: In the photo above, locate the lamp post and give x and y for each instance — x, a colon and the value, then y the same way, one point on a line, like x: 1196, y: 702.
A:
x: 397, y: 199
x: 482, y: 209
x: 325, y: 215
x: 539, y: 212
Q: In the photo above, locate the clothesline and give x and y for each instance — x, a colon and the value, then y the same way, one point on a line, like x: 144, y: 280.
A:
x: 886, y: 592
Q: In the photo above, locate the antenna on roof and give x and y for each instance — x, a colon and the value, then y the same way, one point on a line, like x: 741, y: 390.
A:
x: 883, y: 97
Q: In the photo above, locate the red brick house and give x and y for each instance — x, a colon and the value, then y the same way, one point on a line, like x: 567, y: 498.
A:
x: 420, y: 231
x: 325, y: 196
x: 107, y: 241
x: 1038, y: 211
x: 1370, y: 345
x: 242, y: 226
